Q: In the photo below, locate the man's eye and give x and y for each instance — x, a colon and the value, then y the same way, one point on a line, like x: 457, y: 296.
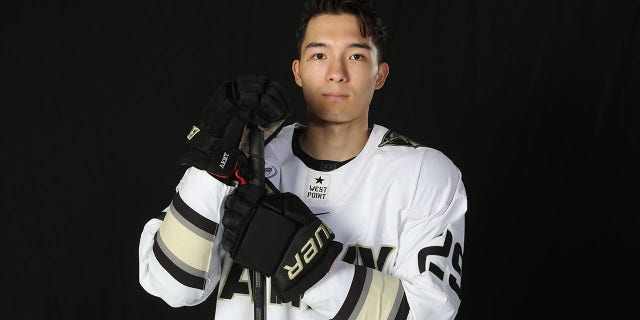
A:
x: 357, y: 57
x: 318, y: 56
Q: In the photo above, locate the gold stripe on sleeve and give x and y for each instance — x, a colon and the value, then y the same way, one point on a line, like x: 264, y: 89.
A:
x: 184, y: 244
x: 381, y: 296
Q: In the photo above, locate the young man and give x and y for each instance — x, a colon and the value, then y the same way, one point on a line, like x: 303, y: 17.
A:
x: 363, y: 223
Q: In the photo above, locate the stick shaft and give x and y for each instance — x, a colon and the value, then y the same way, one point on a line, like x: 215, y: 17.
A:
x: 256, y: 161
x: 256, y: 155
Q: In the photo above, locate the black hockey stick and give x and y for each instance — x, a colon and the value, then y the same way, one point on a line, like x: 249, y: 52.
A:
x: 256, y: 162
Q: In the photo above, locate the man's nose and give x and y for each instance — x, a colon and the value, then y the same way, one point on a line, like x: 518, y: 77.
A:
x: 337, y: 72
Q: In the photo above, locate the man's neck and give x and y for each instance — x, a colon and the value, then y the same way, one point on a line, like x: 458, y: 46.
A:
x: 334, y: 141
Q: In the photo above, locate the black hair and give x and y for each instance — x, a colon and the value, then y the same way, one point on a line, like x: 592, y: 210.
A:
x: 363, y: 10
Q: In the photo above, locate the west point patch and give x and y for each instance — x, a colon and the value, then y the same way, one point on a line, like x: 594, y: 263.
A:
x: 395, y: 139
x: 318, y: 184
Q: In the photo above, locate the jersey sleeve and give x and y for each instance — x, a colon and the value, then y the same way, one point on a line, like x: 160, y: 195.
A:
x: 424, y: 281
x: 179, y: 252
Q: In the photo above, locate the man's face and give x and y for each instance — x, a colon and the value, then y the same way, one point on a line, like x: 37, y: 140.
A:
x: 338, y: 69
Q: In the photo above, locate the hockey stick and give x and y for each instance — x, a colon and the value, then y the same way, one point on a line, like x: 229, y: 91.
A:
x: 256, y: 162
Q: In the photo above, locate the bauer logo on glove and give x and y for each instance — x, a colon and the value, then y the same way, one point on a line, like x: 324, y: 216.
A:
x: 193, y: 132
x: 309, y: 250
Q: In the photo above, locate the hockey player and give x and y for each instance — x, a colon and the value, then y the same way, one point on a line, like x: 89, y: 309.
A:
x: 363, y: 223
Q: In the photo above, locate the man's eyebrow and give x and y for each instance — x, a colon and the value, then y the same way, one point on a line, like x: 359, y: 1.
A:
x: 360, y: 45
x: 315, y: 44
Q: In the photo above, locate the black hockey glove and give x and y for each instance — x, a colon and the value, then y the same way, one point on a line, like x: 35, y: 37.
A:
x: 278, y: 235
x: 216, y: 144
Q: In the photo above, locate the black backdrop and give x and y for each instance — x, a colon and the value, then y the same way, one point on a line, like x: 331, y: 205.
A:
x: 536, y: 102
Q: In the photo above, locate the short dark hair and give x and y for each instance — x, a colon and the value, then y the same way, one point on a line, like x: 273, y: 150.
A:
x: 370, y: 23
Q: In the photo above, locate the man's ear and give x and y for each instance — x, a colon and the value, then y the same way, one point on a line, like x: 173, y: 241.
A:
x: 295, y: 68
x: 381, y: 75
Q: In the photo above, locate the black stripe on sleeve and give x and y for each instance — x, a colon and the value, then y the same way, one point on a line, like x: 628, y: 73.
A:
x: 403, y: 310
x: 193, y: 216
x: 357, y: 284
x: 180, y: 275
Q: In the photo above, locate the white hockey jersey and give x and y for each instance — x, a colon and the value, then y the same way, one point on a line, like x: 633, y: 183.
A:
x: 397, y: 207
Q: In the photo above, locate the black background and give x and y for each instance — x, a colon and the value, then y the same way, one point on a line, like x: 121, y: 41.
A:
x: 537, y: 102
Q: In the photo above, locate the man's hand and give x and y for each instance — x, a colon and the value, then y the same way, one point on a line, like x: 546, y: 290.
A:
x: 214, y: 144
x: 278, y: 236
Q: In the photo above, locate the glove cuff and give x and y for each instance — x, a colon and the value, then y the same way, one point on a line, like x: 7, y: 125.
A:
x: 217, y: 152
x: 308, y: 259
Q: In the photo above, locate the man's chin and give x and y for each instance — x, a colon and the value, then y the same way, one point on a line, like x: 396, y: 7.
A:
x: 331, y: 117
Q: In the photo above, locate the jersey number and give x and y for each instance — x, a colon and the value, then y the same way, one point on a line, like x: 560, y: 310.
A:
x: 443, y: 251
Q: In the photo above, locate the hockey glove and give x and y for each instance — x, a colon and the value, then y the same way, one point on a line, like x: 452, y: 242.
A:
x: 216, y: 144
x: 278, y: 235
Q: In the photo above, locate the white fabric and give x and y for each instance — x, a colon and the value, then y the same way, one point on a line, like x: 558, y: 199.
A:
x: 397, y: 197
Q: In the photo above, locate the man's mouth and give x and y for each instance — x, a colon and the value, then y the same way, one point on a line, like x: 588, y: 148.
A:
x: 335, y: 96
